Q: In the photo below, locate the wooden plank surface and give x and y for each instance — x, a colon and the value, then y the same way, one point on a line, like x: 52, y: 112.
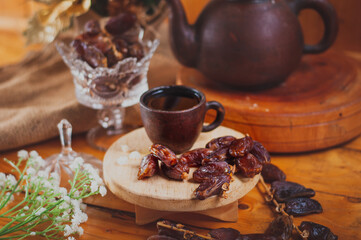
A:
x: 335, y: 174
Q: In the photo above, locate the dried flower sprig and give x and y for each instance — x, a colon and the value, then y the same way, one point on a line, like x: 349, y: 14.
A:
x: 44, y: 208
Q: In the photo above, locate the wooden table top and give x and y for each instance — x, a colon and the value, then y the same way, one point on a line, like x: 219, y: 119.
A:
x: 335, y: 175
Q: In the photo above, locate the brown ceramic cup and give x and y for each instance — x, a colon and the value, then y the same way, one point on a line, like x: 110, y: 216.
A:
x: 173, y: 116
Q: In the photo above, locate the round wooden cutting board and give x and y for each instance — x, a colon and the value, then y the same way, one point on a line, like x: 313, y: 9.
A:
x: 159, y: 192
x: 318, y: 106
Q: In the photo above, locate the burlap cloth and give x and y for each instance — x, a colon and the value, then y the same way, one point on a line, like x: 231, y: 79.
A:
x: 38, y: 92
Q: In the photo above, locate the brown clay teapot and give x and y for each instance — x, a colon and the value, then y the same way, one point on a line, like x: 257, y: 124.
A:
x: 247, y: 43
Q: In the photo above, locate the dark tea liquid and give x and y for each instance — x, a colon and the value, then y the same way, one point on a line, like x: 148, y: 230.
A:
x: 172, y: 102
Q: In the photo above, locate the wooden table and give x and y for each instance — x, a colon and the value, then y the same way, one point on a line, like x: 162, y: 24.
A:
x: 335, y: 175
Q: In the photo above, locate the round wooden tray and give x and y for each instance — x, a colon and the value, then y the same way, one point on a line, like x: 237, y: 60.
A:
x: 318, y: 106
x: 159, y: 192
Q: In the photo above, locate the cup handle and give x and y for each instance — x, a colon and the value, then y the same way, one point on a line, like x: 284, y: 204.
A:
x: 219, y: 118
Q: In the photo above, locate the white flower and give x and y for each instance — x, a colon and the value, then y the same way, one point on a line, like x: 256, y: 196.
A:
x: 102, y: 191
x: 34, y: 154
x: 71, y: 238
x: 11, y: 180
x: 66, y: 198
x: 135, y: 156
x: 94, y: 187
x: 22, y: 215
x: 124, y: 148
x: 63, y: 192
x: 23, y: 154
x: 67, y: 230
x: 83, y: 206
x: 78, y: 162
x: 30, y: 171
x: 32, y: 234
x: 38, y: 162
x: 40, y: 211
x: 26, y: 208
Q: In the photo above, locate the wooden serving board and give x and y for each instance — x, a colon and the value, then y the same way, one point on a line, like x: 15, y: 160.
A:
x: 318, y: 106
x: 158, y: 192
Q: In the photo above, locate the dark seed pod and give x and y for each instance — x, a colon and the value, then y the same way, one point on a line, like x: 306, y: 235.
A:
x: 241, y: 147
x: 302, y: 206
x: 317, y: 231
x: 284, y: 190
x: 271, y: 173
x: 260, y: 152
x: 281, y: 228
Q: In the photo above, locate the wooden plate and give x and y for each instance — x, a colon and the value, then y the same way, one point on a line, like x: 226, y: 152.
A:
x: 159, y: 192
x: 318, y: 106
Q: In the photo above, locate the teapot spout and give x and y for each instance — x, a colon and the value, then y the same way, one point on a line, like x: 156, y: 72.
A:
x: 182, y: 35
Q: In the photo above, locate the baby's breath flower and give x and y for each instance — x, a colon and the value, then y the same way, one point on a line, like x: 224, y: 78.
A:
x: 45, y: 206
x: 30, y: 171
x: 78, y: 162
x: 34, y: 154
x: 102, y: 191
x: 10, y: 179
x: 23, y: 154
x: 40, y: 211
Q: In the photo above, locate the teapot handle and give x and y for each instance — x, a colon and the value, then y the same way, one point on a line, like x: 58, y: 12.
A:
x: 329, y: 17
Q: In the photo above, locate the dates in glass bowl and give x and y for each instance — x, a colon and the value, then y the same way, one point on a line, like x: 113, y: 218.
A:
x: 109, y: 61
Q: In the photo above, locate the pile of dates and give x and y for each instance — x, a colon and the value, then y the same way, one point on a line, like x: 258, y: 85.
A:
x: 217, y: 162
x: 295, y: 197
x: 105, y: 47
x: 280, y: 229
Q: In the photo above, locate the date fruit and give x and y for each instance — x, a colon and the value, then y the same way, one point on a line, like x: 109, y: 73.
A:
x: 284, y: 190
x: 213, y: 186
x: 302, y: 206
x: 194, y: 157
x: 317, y: 231
x: 176, y: 172
x: 218, y: 155
x: 164, y: 154
x: 260, y: 152
x: 220, y: 142
x: 248, y: 166
x: 94, y: 57
x: 258, y: 236
x: 241, y: 147
x: 271, y: 173
x: 92, y: 27
x: 225, y: 233
x: 281, y: 227
x: 148, y: 167
x: 121, y: 23
x: 212, y: 169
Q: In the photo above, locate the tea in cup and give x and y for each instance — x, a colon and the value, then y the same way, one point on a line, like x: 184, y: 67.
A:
x: 174, y: 115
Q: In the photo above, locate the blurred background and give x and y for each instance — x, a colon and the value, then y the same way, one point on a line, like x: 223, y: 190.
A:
x: 14, y: 15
